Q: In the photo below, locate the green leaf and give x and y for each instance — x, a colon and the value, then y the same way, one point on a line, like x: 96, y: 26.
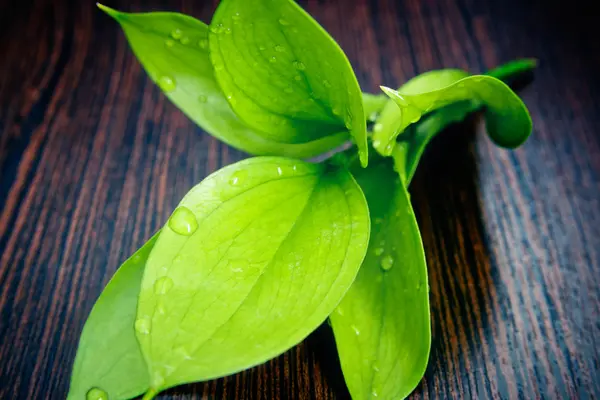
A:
x: 173, y: 49
x: 254, y: 259
x: 283, y: 74
x: 109, y: 360
x: 390, y: 121
x: 407, y: 153
x: 373, y: 105
x: 382, y: 327
x: 507, y: 119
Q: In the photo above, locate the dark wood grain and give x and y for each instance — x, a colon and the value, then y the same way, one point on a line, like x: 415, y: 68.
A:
x: 93, y: 159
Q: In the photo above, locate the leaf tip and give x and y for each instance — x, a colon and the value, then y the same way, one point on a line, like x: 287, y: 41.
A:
x: 110, y: 11
x: 390, y: 92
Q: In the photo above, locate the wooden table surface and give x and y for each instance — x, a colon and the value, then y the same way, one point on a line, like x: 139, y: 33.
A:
x: 93, y: 159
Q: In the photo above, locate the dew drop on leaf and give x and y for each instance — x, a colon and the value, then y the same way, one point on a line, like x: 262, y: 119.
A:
x: 142, y: 326
x: 236, y: 16
x: 279, y: 171
x: 184, y: 40
x: 297, y: 77
x: 326, y: 83
x: 96, y: 394
x: 203, y: 43
x: 299, y: 65
x: 279, y: 48
x: 337, y: 110
x: 387, y: 262
x: 355, y: 329
x: 378, y: 251
x: 176, y: 33
x: 375, y: 367
x: 373, y: 116
x: 163, y: 285
x: 228, y: 31
x: 169, y: 43
x: 374, y: 393
x: 183, y: 221
x: 273, y: 59
x: 377, y: 128
x: 283, y: 22
x: 238, y: 177
x: 166, y: 83
x: 262, y: 48
x: 202, y: 98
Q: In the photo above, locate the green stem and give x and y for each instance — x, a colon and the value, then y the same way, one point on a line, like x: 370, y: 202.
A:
x: 149, y: 395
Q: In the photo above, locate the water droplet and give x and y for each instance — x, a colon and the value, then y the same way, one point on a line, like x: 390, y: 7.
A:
x: 160, y: 307
x: 137, y: 258
x: 166, y: 83
x: 374, y: 393
x: 326, y: 83
x: 337, y: 110
x: 378, y: 251
x: 298, y: 77
x: 178, y: 259
x: 96, y: 393
x: 283, y: 22
x: 279, y: 171
x: 378, y: 127
x: 376, y: 143
x: 203, y: 43
x: 231, y: 100
x: 169, y: 43
x: 183, y: 221
x: 387, y: 262
x: 355, y: 329
x: 184, y: 40
x: 176, y: 34
x: 162, y: 285
x: 157, y: 380
x: 228, y: 31
x: 375, y: 367
x: 373, y: 116
x: 299, y: 65
x: 236, y: 16
x: 273, y: 59
x: 279, y: 48
x: 202, y: 98
x: 142, y: 326
x: 219, y: 67
x: 262, y: 48
x: 237, y: 177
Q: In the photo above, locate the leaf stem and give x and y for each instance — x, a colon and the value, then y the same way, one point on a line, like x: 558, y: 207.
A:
x: 149, y: 395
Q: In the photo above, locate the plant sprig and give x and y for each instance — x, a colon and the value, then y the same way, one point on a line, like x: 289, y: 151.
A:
x: 260, y: 253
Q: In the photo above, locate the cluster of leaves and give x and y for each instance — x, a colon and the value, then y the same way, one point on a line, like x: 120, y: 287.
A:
x: 262, y: 252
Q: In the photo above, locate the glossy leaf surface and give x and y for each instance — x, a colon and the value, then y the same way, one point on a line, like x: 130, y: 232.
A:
x: 283, y: 74
x: 173, y: 49
x: 108, y: 358
x: 382, y: 327
x: 254, y: 259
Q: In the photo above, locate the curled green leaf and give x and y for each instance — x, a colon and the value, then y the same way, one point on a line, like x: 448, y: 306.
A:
x: 109, y: 361
x: 254, y: 259
x: 507, y: 119
x: 414, y: 140
x: 382, y: 328
x: 390, y: 122
x: 283, y: 74
x: 174, y: 50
